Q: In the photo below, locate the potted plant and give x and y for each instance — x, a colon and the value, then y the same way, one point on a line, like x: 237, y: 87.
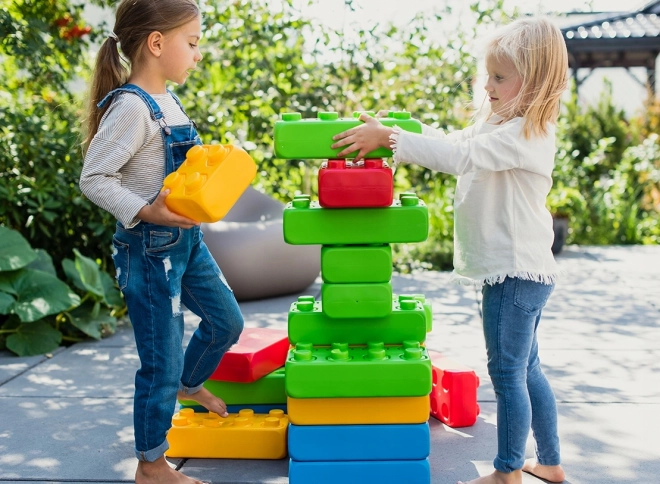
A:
x: 564, y: 203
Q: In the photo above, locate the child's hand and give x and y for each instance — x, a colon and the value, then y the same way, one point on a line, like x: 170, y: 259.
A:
x: 158, y: 213
x: 364, y: 138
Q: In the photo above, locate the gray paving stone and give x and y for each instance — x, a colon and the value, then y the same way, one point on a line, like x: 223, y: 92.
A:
x: 79, y: 371
x: 12, y: 365
x: 67, y: 439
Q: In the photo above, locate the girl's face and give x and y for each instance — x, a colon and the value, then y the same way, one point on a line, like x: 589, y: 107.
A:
x: 503, y: 86
x: 180, y: 53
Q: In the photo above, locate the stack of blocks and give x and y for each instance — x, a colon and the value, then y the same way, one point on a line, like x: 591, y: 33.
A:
x: 358, y: 378
x: 250, y: 380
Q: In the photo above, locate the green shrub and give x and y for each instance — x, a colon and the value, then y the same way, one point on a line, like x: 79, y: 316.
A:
x: 38, y: 310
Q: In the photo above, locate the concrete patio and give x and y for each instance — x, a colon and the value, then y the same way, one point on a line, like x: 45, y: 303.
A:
x: 68, y: 417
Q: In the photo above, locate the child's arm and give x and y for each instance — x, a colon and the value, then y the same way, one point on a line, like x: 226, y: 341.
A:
x: 465, y: 153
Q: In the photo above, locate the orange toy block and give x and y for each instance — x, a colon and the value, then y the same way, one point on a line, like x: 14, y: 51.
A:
x: 209, y: 182
x: 244, y: 435
x: 258, y: 352
x: 454, y: 393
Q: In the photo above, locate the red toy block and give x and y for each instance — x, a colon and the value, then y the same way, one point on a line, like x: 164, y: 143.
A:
x: 344, y: 184
x: 454, y: 393
x: 258, y: 352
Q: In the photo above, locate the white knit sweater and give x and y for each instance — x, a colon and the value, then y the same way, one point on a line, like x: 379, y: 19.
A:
x: 501, y: 226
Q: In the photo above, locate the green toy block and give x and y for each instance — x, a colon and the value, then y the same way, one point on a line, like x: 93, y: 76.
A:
x: 307, y: 322
x: 374, y: 370
x: 428, y: 309
x: 357, y: 300
x: 269, y: 389
x: 356, y: 263
x: 306, y: 223
x: 297, y: 138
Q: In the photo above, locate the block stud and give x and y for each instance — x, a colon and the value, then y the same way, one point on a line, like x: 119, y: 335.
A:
x: 375, y: 345
x: 408, y: 305
x: 291, y: 116
x: 271, y: 422
x: 304, y: 346
x: 412, y: 354
x: 173, y: 180
x: 377, y: 354
x: 217, y: 153
x: 305, y: 306
x: 339, y: 355
x: 211, y: 422
x: 336, y: 164
x: 179, y: 421
x: 340, y: 346
x: 242, y: 422
x: 328, y: 115
x: 276, y: 413
x: 194, y: 182
x: 411, y: 344
x: 373, y: 163
x: 302, y: 355
x: 195, y: 155
x: 246, y: 412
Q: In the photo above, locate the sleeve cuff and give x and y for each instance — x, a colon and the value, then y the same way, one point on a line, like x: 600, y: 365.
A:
x: 394, y: 144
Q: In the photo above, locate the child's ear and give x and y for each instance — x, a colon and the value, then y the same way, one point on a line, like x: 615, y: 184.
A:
x: 155, y: 43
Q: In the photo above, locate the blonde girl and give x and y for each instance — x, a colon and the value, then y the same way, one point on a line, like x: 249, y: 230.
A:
x: 138, y: 134
x: 503, y: 230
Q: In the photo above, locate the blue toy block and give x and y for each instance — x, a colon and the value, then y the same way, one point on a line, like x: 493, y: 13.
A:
x: 311, y: 443
x: 360, y: 472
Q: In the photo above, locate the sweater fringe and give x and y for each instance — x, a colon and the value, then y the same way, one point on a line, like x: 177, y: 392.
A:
x: 394, y: 141
x: 499, y: 278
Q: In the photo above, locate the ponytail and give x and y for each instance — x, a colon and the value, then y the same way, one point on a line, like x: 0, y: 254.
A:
x: 109, y: 73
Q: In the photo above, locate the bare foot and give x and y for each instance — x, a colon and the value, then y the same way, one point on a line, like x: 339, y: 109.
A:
x: 549, y: 473
x: 498, y: 477
x: 207, y: 400
x: 159, y: 472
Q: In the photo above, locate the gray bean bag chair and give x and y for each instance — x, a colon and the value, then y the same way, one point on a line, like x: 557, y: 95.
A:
x: 249, y: 247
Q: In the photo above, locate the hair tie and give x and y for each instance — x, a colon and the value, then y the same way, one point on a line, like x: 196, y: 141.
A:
x: 113, y: 36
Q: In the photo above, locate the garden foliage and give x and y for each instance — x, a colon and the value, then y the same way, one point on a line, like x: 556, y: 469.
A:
x: 260, y: 60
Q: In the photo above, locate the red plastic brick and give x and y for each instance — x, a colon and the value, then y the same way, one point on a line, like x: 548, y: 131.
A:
x: 258, y: 352
x: 454, y: 393
x: 344, y: 184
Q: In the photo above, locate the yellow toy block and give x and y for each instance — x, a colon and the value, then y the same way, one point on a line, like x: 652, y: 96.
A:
x: 242, y: 435
x: 209, y: 182
x: 356, y: 411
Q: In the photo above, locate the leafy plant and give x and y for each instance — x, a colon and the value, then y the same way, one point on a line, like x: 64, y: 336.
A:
x: 38, y: 310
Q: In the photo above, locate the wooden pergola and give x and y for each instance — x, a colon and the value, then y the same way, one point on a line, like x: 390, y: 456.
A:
x: 628, y: 39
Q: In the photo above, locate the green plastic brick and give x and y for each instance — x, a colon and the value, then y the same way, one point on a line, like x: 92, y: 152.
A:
x: 357, y: 300
x: 307, y: 322
x: 306, y: 223
x: 374, y: 370
x: 269, y: 389
x: 428, y: 309
x: 297, y: 138
x: 356, y: 263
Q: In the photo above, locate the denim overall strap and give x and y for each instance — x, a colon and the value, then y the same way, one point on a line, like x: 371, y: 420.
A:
x: 154, y: 109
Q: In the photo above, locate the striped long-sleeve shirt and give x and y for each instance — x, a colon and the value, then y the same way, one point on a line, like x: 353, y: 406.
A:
x: 124, y: 165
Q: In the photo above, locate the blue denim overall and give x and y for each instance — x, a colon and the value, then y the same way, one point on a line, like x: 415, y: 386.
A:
x: 160, y: 268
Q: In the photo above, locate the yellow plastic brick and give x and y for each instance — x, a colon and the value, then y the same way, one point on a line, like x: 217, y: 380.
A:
x: 356, y: 411
x: 243, y: 435
x: 209, y: 182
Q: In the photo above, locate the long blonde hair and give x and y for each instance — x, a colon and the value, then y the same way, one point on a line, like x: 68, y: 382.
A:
x: 135, y: 20
x: 537, y: 49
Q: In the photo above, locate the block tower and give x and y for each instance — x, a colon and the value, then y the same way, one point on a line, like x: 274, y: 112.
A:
x: 358, y: 377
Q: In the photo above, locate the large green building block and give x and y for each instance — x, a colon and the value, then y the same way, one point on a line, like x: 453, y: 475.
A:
x: 306, y: 223
x: 297, y: 138
x: 357, y: 300
x: 356, y: 264
x: 407, y: 321
x: 428, y: 308
x: 374, y: 370
x: 269, y: 389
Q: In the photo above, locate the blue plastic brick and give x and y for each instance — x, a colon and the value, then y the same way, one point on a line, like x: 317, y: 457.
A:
x: 359, y: 442
x: 360, y: 472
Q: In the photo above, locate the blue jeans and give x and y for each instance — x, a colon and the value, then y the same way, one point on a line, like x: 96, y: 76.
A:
x: 159, y: 269
x: 511, y: 314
